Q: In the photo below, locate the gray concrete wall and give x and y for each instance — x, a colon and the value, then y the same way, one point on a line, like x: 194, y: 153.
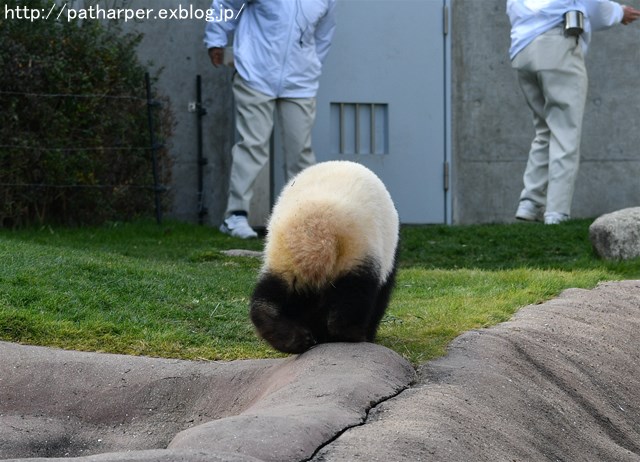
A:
x: 492, y: 126
x: 174, y: 47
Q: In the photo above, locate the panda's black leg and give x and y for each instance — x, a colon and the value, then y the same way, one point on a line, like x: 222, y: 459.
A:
x: 350, y: 303
x: 382, y: 302
x: 272, y: 313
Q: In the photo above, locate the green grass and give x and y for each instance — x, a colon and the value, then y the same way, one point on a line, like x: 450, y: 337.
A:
x: 167, y: 290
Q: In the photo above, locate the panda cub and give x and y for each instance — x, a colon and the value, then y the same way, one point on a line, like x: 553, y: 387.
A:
x: 329, y: 260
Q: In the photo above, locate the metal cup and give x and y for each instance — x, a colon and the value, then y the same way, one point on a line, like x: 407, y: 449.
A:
x: 573, y: 23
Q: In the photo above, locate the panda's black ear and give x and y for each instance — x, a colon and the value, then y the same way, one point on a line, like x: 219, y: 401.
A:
x: 270, y: 312
x: 271, y: 287
x: 283, y: 333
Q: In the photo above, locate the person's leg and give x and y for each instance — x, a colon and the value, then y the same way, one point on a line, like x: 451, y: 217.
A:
x: 254, y: 123
x: 296, y: 117
x: 566, y: 95
x: 536, y: 173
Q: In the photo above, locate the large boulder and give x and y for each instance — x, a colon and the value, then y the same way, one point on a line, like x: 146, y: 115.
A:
x: 616, y: 236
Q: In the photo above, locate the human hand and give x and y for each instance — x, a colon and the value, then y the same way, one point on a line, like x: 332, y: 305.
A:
x: 216, y: 55
x: 630, y: 14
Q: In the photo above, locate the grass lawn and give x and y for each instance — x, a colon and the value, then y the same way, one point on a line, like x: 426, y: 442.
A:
x: 140, y: 288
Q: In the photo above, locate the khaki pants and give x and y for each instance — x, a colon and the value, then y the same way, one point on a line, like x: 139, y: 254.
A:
x: 553, y: 78
x: 255, y: 114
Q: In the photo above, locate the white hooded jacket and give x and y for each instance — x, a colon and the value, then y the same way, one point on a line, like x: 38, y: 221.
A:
x: 279, y: 45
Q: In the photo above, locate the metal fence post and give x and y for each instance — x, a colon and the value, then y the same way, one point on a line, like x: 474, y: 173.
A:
x: 154, y: 147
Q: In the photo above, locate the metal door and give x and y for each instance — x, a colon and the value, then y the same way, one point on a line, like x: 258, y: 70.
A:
x: 383, y: 100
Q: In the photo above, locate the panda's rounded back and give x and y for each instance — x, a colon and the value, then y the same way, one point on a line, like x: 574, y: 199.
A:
x: 329, y: 219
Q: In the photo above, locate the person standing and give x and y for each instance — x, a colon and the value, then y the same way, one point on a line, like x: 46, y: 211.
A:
x: 279, y: 47
x: 549, y: 59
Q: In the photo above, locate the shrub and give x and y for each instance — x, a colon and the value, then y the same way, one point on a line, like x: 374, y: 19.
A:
x: 74, y: 139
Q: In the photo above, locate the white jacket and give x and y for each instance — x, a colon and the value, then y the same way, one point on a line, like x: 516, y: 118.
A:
x: 279, y: 45
x: 530, y: 18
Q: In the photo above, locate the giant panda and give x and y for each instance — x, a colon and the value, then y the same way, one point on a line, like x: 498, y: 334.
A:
x: 329, y: 261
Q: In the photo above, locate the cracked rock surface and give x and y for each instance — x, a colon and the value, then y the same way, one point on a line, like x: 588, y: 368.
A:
x: 70, y: 405
x: 560, y: 381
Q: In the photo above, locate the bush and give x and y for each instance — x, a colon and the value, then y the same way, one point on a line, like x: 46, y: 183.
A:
x: 74, y: 139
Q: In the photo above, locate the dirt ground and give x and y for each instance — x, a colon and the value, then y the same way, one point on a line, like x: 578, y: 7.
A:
x: 559, y: 382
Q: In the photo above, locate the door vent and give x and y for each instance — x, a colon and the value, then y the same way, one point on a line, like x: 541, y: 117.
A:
x: 359, y: 128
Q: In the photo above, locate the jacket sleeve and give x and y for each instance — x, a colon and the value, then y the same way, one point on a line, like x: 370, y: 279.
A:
x: 222, y: 20
x: 324, y: 31
x: 603, y: 14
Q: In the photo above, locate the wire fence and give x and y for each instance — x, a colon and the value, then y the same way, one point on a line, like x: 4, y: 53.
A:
x: 72, y: 95
x: 151, y: 149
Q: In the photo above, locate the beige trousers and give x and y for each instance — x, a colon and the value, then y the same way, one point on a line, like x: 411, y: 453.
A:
x: 553, y: 78
x: 255, y: 114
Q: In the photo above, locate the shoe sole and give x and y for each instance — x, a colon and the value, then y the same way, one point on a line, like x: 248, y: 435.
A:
x: 225, y: 230
x: 522, y: 217
x: 555, y: 221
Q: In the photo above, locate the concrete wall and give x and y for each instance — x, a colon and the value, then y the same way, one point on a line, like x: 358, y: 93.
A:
x: 174, y: 47
x: 492, y: 126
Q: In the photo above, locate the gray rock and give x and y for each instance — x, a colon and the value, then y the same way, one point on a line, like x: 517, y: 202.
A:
x: 616, y: 236
x: 92, y: 407
x: 242, y: 253
x: 560, y: 381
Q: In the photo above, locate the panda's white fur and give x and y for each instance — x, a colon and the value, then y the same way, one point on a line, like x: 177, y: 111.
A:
x: 331, y: 246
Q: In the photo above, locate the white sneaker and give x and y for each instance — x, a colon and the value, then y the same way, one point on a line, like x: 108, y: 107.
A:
x: 238, y: 226
x: 529, y: 211
x: 554, y: 218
